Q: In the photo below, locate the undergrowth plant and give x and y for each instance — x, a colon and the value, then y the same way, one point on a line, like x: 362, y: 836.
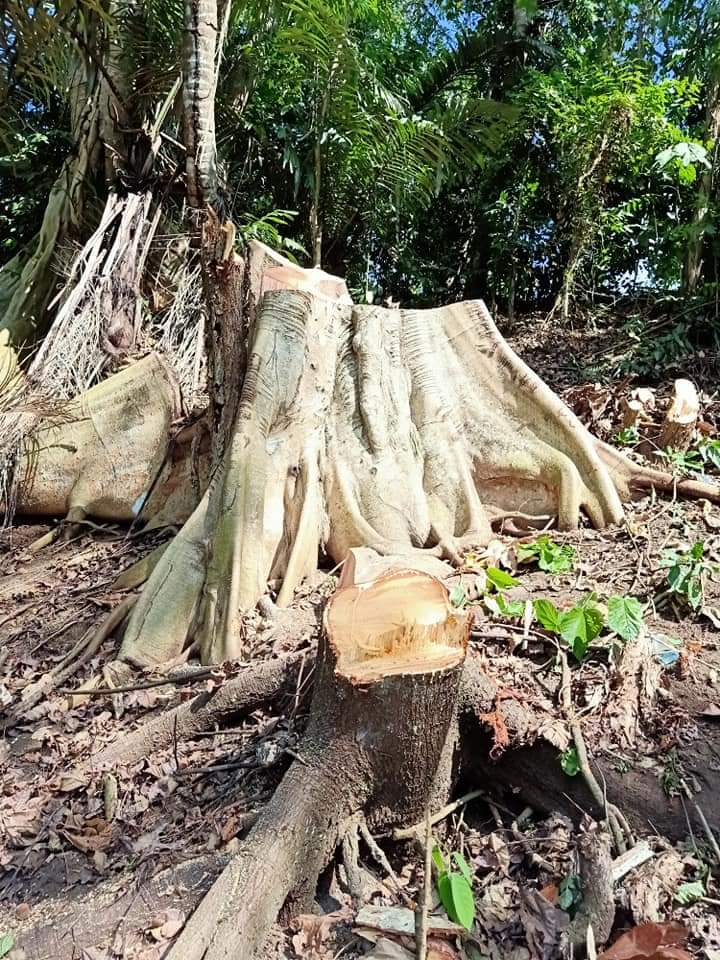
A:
x: 454, y: 886
x: 686, y: 573
x: 551, y: 557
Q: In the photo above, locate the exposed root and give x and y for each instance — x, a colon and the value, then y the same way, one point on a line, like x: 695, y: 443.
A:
x: 81, y: 654
x: 617, y: 824
x: 258, y: 685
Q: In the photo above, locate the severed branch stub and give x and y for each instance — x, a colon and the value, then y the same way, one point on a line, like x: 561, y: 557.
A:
x: 389, y: 666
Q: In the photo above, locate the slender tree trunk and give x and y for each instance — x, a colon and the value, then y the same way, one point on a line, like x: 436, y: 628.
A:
x: 581, y: 231
x: 700, y: 220
x: 200, y: 62
x: 315, y: 225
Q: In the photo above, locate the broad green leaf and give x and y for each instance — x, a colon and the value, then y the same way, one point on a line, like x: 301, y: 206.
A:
x: 556, y: 559
x: 438, y: 859
x: 625, y: 616
x: 552, y: 557
x: 579, y: 626
x: 444, y: 890
x: 463, y: 866
x: 570, y: 892
x: 462, y: 901
x: 547, y: 615
x: 510, y: 608
x: 500, y: 579
x: 569, y: 762
x: 7, y: 942
x: 689, y: 892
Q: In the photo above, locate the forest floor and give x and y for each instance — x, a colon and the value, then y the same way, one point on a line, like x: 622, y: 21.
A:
x: 111, y: 866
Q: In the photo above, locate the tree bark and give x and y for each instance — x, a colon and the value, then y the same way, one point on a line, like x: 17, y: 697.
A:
x: 697, y: 242
x: 200, y: 61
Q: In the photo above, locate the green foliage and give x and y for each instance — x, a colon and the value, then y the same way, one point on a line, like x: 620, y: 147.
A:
x: 499, y: 579
x: 500, y: 606
x: 577, y: 627
x: 688, y: 893
x: 709, y: 450
x: 552, y: 557
x: 7, y: 942
x: 686, y: 572
x: 458, y: 596
x: 570, y: 893
x: 625, y: 616
x: 683, y: 462
x: 570, y: 762
x: 509, y: 151
x: 454, y: 886
x: 627, y: 437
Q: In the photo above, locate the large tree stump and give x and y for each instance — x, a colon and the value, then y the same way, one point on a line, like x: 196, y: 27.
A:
x: 411, y: 432
x: 378, y: 744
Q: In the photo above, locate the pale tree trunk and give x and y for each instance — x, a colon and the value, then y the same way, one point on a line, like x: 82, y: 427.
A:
x: 201, y: 56
x: 700, y: 220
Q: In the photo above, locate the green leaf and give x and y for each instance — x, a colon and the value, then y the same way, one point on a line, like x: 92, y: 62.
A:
x: 570, y: 893
x: 438, y: 859
x: 463, y: 866
x: 7, y: 942
x: 694, y: 592
x: 500, y: 579
x: 462, y: 901
x: 547, y: 615
x: 444, y: 890
x: 579, y: 626
x: 510, y: 608
x: 689, y: 892
x: 570, y: 762
x: 552, y: 557
x: 625, y: 616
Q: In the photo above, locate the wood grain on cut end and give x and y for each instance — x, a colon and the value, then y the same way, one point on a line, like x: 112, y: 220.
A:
x: 401, y: 623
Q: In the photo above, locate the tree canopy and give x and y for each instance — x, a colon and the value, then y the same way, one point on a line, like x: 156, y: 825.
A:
x: 541, y: 155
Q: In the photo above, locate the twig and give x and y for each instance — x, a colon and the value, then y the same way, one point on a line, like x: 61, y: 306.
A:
x: 144, y: 684
x: 217, y: 768
x: 711, y: 838
x: 407, y: 833
x: 612, y: 814
x: 421, y: 914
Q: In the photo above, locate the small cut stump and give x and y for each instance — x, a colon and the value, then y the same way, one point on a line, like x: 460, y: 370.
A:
x: 379, y: 746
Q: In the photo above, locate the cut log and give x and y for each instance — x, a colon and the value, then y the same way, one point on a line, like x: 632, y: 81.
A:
x: 679, y: 424
x: 390, y: 665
